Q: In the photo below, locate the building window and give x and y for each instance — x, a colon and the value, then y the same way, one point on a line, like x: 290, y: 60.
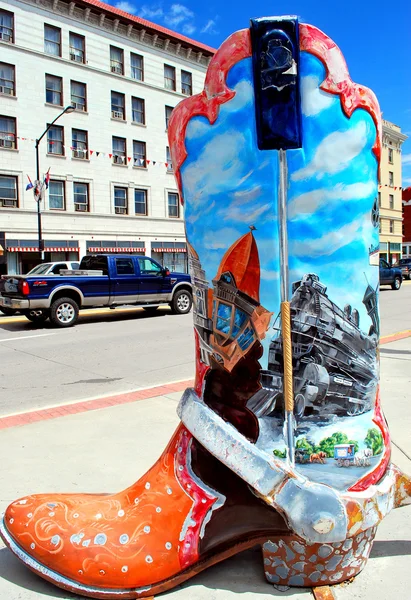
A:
x: 52, y: 40
x: 117, y: 60
x: 8, y: 191
x: 80, y: 192
x: 119, y: 151
x: 56, y: 195
x: 391, y: 197
x: 54, y: 90
x: 173, y: 205
x: 186, y: 83
x: 390, y: 155
x: 77, y: 47
x: 140, y: 202
x: 79, y: 95
x: 118, y: 109
x: 7, y: 79
x: 55, y: 140
x: 8, y: 133
x: 138, y: 110
x: 169, y: 110
x: 391, y: 178
x: 169, y: 78
x: 379, y: 199
x: 391, y: 226
x: 6, y: 26
x: 137, y: 66
x: 79, y: 144
x: 120, y: 200
x: 139, y: 154
x: 169, y: 163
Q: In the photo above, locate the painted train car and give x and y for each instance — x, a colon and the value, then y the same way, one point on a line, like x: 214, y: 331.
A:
x: 334, y: 362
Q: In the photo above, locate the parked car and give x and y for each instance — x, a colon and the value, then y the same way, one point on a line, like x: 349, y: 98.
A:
x: 405, y: 266
x: 53, y: 268
x: 102, y: 280
x: 390, y: 275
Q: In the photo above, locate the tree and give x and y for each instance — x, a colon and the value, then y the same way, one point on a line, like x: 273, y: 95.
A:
x: 327, y: 444
x: 374, y: 441
x: 304, y: 444
x: 280, y: 453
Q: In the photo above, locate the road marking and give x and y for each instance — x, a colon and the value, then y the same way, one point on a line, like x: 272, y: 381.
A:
x: 25, y: 337
x: 393, y: 337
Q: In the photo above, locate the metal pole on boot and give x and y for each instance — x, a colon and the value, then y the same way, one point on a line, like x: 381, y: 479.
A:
x: 289, y: 424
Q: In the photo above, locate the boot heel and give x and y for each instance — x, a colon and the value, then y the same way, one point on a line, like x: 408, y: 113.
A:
x: 292, y: 561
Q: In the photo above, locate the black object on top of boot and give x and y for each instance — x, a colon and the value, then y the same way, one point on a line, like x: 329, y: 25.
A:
x: 276, y: 63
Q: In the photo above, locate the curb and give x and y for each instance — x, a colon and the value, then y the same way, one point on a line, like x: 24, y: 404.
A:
x: 79, y: 407
x: 400, y: 335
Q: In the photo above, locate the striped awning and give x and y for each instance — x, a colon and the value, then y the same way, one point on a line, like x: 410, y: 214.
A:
x: 112, y: 250
x: 157, y: 249
x: 46, y: 249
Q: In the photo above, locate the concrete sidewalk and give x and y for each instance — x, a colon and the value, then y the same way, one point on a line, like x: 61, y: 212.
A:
x: 105, y: 446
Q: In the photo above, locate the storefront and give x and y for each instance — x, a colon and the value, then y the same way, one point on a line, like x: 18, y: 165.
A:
x: 112, y: 247
x: 23, y: 255
x: 391, y: 252
x: 171, y: 254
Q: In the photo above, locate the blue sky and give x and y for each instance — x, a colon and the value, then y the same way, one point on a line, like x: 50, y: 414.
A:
x: 373, y: 35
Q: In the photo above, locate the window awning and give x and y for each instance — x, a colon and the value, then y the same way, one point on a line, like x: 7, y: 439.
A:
x: 114, y: 249
x: 49, y: 246
x: 168, y: 247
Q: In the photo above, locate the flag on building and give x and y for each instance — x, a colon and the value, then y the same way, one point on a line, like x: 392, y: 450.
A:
x: 47, y: 179
x: 30, y: 185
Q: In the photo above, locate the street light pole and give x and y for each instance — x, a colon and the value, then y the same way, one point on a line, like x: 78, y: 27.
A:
x: 68, y: 109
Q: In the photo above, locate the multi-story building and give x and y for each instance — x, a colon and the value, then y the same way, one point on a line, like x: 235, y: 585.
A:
x: 111, y: 184
x: 406, y: 207
x: 389, y: 194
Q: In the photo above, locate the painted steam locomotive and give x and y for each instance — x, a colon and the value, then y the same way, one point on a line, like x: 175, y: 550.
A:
x: 334, y: 362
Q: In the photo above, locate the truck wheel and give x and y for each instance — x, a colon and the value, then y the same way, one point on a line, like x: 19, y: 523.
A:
x: 181, y: 303
x: 37, y: 316
x: 9, y: 312
x: 64, y: 312
x: 396, y: 284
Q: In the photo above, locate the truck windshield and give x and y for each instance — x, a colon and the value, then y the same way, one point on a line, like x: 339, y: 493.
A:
x: 40, y: 269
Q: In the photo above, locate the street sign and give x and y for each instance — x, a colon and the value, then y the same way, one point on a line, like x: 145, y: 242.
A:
x: 38, y: 190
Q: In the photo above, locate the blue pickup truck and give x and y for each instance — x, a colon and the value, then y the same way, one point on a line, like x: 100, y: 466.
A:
x: 101, y: 280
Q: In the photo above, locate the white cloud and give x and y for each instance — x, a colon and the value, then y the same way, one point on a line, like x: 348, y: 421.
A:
x: 335, y: 152
x: 209, y: 27
x: 126, y: 7
x: 245, y: 215
x: 314, y: 100
x: 406, y: 180
x: 333, y: 240
x: 150, y: 12
x: 269, y: 275
x: 406, y: 159
x: 179, y: 13
x: 309, y: 202
x: 222, y: 239
x: 188, y: 29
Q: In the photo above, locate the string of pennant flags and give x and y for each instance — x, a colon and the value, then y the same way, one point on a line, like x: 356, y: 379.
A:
x: 110, y: 155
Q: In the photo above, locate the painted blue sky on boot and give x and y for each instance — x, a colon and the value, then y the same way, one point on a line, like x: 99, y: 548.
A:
x: 228, y: 185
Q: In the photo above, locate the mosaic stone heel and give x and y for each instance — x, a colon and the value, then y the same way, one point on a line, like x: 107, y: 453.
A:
x: 292, y: 561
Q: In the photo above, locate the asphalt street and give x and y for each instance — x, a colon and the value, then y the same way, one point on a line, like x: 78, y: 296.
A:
x: 110, y: 352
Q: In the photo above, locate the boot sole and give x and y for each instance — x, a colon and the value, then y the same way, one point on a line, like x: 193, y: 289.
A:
x: 283, y: 556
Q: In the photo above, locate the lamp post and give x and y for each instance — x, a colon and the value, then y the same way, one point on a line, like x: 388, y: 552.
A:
x: 68, y: 109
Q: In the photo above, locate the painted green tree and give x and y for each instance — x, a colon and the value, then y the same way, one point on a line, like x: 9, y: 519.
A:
x: 304, y: 444
x: 374, y: 441
x: 327, y: 444
x: 280, y: 453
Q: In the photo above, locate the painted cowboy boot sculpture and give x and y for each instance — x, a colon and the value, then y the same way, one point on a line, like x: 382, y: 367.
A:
x: 282, y: 442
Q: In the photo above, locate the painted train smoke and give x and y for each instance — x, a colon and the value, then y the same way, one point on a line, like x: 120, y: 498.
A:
x: 334, y: 362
